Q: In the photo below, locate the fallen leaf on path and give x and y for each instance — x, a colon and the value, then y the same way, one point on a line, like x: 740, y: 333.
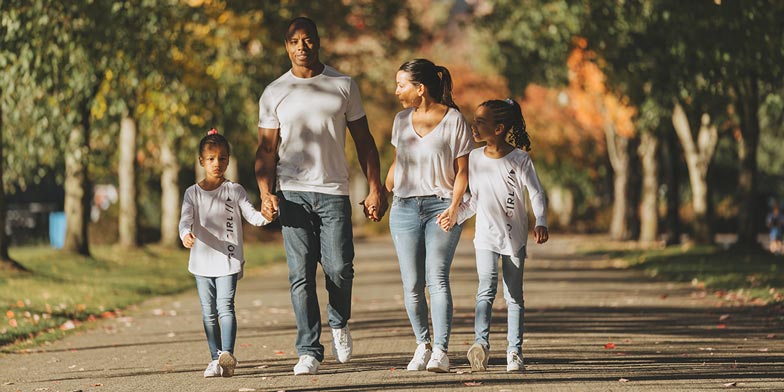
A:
x: 278, y: 352
x: 623, y: 380
x: 609, y: 346
x: 721, y: 326
x: 461, y: 372
x: 731, y: 384
x: 472, y: 383
x: 771, y: 336
x: 763, y: 350
x: 663, y: 296
x: 262, y: 367
x: 724, y: 317
x: 392, y: 369
x: 97, y: 385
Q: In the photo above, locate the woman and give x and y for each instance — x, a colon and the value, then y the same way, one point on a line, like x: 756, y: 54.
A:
x: 428, y: 177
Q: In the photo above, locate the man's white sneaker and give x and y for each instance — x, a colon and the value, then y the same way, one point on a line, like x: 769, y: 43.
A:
x: 439, y: 362
x: 227, y: 363
x: 342, y: 344
x: 307, y: 364
x: 513, y: 362
x: 213, y: 370
x: 421, y: 357
x: 478, y: 357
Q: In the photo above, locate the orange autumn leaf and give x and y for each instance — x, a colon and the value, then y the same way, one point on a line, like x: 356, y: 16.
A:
x: 609, y: 346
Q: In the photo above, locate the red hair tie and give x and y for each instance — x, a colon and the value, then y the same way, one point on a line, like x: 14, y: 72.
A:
x: 212, y: 131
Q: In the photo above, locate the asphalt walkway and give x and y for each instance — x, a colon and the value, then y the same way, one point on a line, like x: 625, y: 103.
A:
x: 589, y: 327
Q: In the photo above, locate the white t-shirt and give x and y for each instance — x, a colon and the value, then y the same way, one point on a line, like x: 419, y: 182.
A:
x: 425, y: 166
x: 215, y: 218
x: 311, y: 114
x: 498, y: 199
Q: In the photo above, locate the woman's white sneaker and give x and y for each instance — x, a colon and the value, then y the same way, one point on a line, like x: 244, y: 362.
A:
x: 421, y: 357
x: 439, y: 362
x: 478, y: 357
x: 513, y: 362
x: 307, y: 364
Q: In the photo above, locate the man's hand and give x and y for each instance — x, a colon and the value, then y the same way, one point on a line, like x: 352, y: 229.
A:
x: 375, y: 205
x: 541, y: 235
x: 188, y: 240
x: 269, y: 206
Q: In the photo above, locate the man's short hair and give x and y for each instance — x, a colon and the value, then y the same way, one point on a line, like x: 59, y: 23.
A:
x: 305, y: 22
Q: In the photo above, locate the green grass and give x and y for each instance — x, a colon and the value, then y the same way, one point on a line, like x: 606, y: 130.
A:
x: 755, y: 274
x: 62, y: 287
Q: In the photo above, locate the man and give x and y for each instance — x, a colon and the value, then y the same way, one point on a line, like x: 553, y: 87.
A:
x: 303, y: 117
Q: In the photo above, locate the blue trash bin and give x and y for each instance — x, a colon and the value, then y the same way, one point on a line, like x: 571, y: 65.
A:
x: 57, y: 229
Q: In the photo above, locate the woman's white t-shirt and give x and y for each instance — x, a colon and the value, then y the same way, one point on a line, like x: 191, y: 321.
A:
x: 215, y: 218
x: 498, y: 188
x: 425, y: 165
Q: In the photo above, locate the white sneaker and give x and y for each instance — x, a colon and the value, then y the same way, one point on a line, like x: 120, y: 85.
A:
x: 421, y: 356
x: 478, y: 357
x: 342, y: 344
x: 513, y: 362
x: 439, y: 362
x: 307, y: 364
x: 227, y: 363
x: 213, y: 370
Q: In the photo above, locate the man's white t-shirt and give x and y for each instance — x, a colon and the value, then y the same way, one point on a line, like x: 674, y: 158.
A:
x: 215, y: 218
x: 311, y: 114
x: 425, y: 166
x: 498, y: 198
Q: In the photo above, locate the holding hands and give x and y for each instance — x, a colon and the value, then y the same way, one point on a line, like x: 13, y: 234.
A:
x: 269, y: 206
x: 375, y: 205
x: 447, y: 219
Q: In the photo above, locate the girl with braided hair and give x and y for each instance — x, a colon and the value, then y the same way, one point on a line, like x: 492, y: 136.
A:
x: 500, y: 172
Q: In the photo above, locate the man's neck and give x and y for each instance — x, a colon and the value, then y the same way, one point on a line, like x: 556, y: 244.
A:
x: 308, y: 71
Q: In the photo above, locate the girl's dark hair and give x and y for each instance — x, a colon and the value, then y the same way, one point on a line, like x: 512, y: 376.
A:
x: 436, y: 79
x: 509, y: 113
x: 214, y: 139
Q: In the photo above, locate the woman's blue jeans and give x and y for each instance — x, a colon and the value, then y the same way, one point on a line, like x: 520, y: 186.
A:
x: 487, y: 268
x: 425, y: 254
x: 216, y: 295
x: 317, y: 228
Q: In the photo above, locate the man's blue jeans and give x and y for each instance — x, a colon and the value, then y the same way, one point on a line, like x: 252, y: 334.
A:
x: 216, y: 295
x: 317, y: 227
x: 425, y: 254
x: 487, y: 268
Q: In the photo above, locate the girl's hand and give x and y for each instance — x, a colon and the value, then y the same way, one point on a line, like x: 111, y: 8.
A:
x: 447, y: 219
x: 541, y: 235
x: 188, y: 240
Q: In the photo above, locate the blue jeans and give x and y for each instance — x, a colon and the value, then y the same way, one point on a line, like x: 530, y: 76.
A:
x: 216, y: 295
x: 487, y: 268
x: 425, y: 254
x: 317, y: 227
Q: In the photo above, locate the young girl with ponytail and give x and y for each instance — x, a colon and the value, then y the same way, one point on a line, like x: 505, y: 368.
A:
x: 501, y: 171
x: 428, y: 177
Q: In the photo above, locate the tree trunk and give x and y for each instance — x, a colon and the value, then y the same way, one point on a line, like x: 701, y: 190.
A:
x: 633, y: 190
x: 698, y: 159
x: 748, y: 225
x: 6, y: 262
x: 617, y: 149
x: 672, y: 185
x: 170, y: 193
x: 126, y: 173
x: 649, y: 215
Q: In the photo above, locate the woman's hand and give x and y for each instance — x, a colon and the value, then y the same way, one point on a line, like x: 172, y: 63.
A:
x: 448, y: 218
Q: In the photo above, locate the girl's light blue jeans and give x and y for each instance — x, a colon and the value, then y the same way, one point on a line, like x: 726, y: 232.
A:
x: 487, y: 268
x: 216, y: 295
x: 425, y: 254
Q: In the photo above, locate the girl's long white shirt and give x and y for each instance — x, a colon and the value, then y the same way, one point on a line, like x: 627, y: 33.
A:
x: 215, y: 218
x: 498, y: 187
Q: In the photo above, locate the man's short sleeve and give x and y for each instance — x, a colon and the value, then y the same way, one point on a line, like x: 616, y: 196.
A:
x: 268, y: 118
x: 354, y: 109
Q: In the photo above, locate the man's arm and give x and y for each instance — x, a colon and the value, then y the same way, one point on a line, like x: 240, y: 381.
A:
x: 375, y: 203
x: 265, y: 171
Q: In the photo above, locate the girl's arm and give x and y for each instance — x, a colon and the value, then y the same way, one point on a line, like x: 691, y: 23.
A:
x: 185, y: 227
x: 250, y: 213
x: 538, y: 200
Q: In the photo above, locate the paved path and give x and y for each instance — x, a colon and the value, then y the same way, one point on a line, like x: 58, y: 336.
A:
x: 667, y: 337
